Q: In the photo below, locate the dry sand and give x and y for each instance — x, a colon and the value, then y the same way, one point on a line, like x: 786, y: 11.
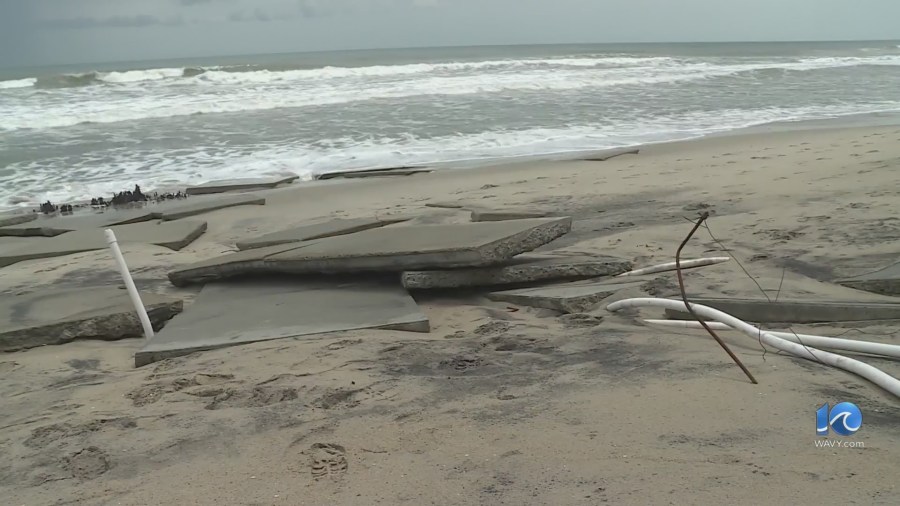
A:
x: 495, y: 406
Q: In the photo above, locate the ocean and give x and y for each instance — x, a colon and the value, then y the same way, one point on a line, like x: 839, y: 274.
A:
x: 70, y: 133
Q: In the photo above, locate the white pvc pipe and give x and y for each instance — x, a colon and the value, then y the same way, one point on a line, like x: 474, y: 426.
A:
x: 671, y: 266
x: 129, y: 284
x: 834, y: 343
x: 872, y: 374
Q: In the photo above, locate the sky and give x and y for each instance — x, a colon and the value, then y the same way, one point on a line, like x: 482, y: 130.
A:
x: 45, y: 32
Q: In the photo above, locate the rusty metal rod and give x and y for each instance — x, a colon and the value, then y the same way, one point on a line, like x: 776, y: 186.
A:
x: 687, y: 304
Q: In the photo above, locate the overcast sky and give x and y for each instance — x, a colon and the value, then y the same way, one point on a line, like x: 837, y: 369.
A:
x: 38, y: 32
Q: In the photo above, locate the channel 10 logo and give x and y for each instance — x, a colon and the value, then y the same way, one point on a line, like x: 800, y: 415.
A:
x: 844, y: 419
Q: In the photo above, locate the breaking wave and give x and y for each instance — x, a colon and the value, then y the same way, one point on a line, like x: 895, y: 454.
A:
x: 212, y: 90
x: 260, y: 74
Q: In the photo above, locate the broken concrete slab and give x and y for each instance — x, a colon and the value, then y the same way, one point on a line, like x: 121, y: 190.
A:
x: 10, y: 219
x: 445, y: 205
x: 49, y: 317
x: 609, y: 154
x: 578, y: 297
x: 787, y: 311
x: 480, y: 215
x: 229, y: 185
x: 387, y: 249
x: 242, y: 312
x: 527, y: 268
x: 385, y: 172
x: 317, y: 231
x: 57, y: 225
x: 174, y: 235
x: 884, y: 281
x: 169, y: 211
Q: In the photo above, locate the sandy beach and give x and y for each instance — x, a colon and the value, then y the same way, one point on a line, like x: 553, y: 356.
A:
x: 496, y: 405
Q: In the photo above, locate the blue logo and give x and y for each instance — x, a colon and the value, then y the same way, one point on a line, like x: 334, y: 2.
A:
x: 844, y: 419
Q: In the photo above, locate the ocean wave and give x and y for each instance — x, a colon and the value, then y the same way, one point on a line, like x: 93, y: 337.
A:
x: 250, y: 74
x: 18, y: 83
x: 261, y: 75
x: 138, y: 76
x: 261, y: 90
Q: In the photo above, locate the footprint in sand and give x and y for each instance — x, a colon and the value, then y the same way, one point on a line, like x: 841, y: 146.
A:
x: 327, y: 460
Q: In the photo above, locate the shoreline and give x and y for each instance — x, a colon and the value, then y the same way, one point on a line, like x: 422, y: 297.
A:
x: 849, y: 121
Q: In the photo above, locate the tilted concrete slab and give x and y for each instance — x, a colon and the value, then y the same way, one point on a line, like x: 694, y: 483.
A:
x: 193, y: 206
x: 388, y: 249
x: 609, y: 154
x: 10, y: 219
x: 316, y: 231
x: 479, y: 215
x: 786, y: 311
x: 884, y: 281
x: 528, y: 268
x: 57, y: 225
x: 575, y: 297
x: 59, y: 316
x: 445, y: 205
x: 242, y: 312
x: 174, y: 235
x: 228, y: 185
x: 385, y: 172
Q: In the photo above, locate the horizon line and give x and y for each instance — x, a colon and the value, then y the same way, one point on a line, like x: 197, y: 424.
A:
x: 449, y: 46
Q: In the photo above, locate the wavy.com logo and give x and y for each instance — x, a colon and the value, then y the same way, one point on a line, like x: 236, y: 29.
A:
x: 844, y: 419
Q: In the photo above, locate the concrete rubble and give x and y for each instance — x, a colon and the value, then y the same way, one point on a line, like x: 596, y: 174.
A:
x: 50, y: 317
x: 523, y: 269
x: 788, y: 311
x: 370, y: 173
x: 577, y: 297
x: 10, y: 219
x: 169, y: 211
x: 884, y: 281
x: 53, y: 226
x: 242, y: 312
x: 173, y: 235
x: 387, y: 249
x: 320, y: 230
x: 480, y: 215
x: 609, y: 154
x: 348, y: 274
x: 230, y: 185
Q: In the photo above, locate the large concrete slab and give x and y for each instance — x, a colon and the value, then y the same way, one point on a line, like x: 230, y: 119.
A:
x: 480, y: 215
x: 385, y: 172
x: 567, y: 298
x: 234, y: 313
x: 389, y: 249
x: 885, y: 281
x: 57, y: 225
x: 57, y: 316
x: 193, y: 206
x: 528, y: 268
x: 228, y: 185
x: 321, y: 230
x: 174, y: 235
x: 603, y: 156
x: 786, y: 311
x: 16, y: 218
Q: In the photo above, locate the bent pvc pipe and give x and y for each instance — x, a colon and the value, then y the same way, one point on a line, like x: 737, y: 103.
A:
x: 671, y: 266
x: 129, y: 283
x: 862, y: 369
x: 833, y: 343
